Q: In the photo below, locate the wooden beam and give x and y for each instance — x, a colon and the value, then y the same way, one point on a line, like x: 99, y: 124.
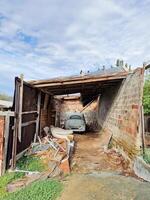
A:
x: 28, y: 123
x: 38, y: 117
x: 29, y: 112
x: 89, y: 80
x: 16, y: 121
x: 46, y: 101
x: 142, y: 129
x: 75, y: 78
x: 20, y: 107
x: 6, y: 136
x: 46, y: 92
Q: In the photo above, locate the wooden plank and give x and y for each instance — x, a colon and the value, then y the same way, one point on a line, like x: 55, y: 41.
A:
x: 7, y: 123
x: 74, y: 78
x: 29, y: 112
x: 20, y: 107
x: 46, y: 101
x: 28, y: 123
x: 46, y: 92
x: 38, y: 117
x: 19, y: 155
x: 79, y: 81
x: 16, y: 121
x: 142, y: 127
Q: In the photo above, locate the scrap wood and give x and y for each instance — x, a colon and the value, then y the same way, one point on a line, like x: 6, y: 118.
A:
x: 24, y: 171
x: 51, y: 143
x: 54, y: 144
x: 27, y: 180
x: 39, y: 140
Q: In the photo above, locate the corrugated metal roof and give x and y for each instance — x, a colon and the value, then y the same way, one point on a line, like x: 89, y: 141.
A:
x: 108, y: 71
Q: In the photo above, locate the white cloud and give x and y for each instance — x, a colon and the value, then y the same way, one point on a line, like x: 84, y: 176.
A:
x: 50, y: 38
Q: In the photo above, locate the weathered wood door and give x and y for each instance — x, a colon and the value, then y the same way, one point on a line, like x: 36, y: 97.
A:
x: 26, y: 122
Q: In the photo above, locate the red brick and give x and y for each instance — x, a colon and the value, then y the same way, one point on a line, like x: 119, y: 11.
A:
x: 135, y: 106
x: 64, y: 166
x: 120, y: 121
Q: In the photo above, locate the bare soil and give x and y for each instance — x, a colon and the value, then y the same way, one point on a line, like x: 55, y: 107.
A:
x: 101, y: 174
x: 91, y: 155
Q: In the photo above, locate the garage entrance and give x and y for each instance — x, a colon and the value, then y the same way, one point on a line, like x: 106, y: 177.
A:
x: 43, y: 103
x: 91, y: 95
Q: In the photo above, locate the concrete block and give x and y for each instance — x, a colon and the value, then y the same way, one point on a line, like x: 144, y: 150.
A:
x: 142, y: 169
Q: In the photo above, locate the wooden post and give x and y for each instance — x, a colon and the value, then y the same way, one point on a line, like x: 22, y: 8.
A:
x: 16, y: 122
x: 143, y: 131
x: 6, y: 135
x: 38, y: 117
x: 20, y: 107
x: 46, y: 101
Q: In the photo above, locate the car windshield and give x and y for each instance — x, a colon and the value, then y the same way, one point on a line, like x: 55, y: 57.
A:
x: 75, y: 117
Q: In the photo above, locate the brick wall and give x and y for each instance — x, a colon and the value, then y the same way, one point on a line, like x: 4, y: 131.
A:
x: 2, y: 125
x: 123, y: 120
x: 50, y: 115
x: 105, y: 103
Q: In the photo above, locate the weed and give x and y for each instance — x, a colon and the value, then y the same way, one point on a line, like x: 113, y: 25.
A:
x: 31, y: 163
x: 7, y: 178
x: 146, y: 156
x: 47, y: 190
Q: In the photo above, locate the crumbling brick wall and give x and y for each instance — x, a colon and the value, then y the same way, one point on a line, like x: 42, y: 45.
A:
x: 124, y: 118
x: 2, y: 126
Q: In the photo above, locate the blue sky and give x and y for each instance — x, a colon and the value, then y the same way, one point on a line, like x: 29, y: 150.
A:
x: 49, y: 38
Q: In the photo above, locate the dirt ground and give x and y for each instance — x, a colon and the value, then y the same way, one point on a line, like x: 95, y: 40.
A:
x: 101, y: 174
x: 104, y: 186
x: 90, y: 155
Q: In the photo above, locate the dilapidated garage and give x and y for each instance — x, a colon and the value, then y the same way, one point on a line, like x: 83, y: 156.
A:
x: 109, y: 98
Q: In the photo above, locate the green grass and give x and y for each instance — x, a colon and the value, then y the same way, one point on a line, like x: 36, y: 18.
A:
x: 46, y: 190
x: 31, y: 163
x: 146, y: 156
x: 7, y: 178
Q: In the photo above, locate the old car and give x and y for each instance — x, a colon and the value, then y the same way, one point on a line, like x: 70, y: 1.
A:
x: 76, y: 122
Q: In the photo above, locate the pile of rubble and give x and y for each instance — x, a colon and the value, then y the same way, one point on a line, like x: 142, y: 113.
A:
x: 55, y: 151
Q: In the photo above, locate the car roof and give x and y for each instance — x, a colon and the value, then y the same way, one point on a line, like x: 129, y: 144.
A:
x: 75, y: 113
